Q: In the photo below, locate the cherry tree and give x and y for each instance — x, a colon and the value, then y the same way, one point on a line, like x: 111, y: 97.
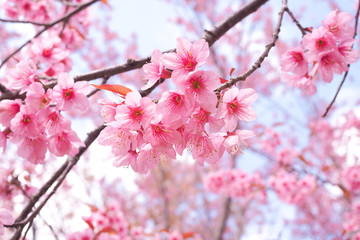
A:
x: 246, y: 127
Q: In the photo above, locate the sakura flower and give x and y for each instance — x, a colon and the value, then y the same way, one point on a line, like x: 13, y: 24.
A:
x: 118, y: 138
x: 201, y: 85
x: 22, y: 75
x: 47, y: 50
x: 149, y: 157
x: 135, y: 111
x: 329, y: 62
x: 65, y: 142
x: 33, y: 149
x: 339, y: 24
x: 8, y: 110
x: 302, y: 82
x: 25, y: 123
x: 36, y: 98
x: 108, y: 109
x: 175, y: 107
x: 53, y: 121
x: 70, y: 95
x: 188, y: 57
x: 318, y: 41
x: 236, y: 105
x: 234, y: 143
x: 159, y: 134
x: 5, y: 219
x: 155, y: 70
x: 294, y: 61
x: 348, y: 53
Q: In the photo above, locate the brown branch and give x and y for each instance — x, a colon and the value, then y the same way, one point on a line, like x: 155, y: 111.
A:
x: 303, y: 32
x: 59, y: 176
x: 210, y: 36
x: 24, y: 22
x: 224, y: 217
x: 50, y: 25
x: 262, y: 57
x: 346, y: 73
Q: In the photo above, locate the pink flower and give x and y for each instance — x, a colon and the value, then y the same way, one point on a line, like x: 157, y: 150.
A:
x: 155, y: 70
x: 234, y: 143
x: 329, y: 62
x: 302, y: 82
x: 70, y: 95
x: 119, y: 139
x: 339, y: 24
x: 149, y: 157
x: 201, y: 85
x: 36, y: 98
x: 158, y: 134
x: 318, y: 41
x: 188, y: 57
x: 346, y: 50
x: 33, y: 149
x: 22, y: 75
x: 25, y: 123
x: 135, y: 112
x: 47, y: 50
x: 175, y: 108
x: 65, y: 142
x: 236, y: 105
x: 294, y: 61
x: 53, y: 121
x: 5, y: 219
x: 8, y: 110
x: 108, y: 110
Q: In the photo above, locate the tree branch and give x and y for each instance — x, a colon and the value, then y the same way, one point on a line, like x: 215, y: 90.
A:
x: 210, y: 36
x: 262, y: 57
x: 50, y: 25
x: 59, y: 176
x: 24, y: 22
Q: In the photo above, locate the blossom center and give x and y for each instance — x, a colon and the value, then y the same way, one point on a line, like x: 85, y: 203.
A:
x: 27, y: 119
x: 46, y: 53
x: 196, y: 84
x: 68, y: 93
x: 298, y: 57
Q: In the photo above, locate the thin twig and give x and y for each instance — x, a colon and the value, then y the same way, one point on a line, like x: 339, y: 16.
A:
x: 59, y: 176
x: 262, y: 57
x: 24, y: 22
x: 64, y: 18
x: 210, y: 36
x: 345, y: 75
x: 303, y: 31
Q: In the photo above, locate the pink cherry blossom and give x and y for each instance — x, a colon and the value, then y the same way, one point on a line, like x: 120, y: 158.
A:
x: 235, y: 105
x: 25, y: 123
x: 36, y: 98
x: 135, y: 112
x: 234, y: 143
x: 5, y: 219
x: 33, y: 149
x: 53, y: 121
x: 155, y: 70
x: 188, y: 57
x: 22, y: 76
x: 175, y: 107
x: 302, y: 82
x: 205, y: 149
x: 201, y: 85
x: 108, y: 109
x: 118, y: 138
x: 329, y: 62
x: 8, y: 110
x: 159, y: 134
x: 339, y: 24
x: 345, y: 48
x: 65, y: 142
x: 48, y: 50
x: 70, y: 95
x: 294, y: 61
x: 318, y: 41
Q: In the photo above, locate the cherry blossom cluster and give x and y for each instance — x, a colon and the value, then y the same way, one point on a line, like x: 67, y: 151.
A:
x: 143, y: 133
x: 110, y: 224
x: 290, y: 188
x: 36, y: 124
x: 351, y: 226
x: 328, y: 49
x: 351, y: 178
x: 235, y: 183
